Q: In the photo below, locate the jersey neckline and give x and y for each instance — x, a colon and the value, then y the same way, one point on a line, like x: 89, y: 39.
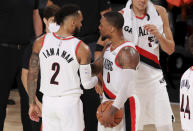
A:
x: 141, y: 17
x: 66, y: 38
x: 117, y: 46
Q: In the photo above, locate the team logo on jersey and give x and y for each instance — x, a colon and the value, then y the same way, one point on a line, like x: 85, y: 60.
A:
x: 142, y: 32
x: 57, y: 52
x: 108, y: 64
x: 152, y: 39
x: 185, y: 83
x: 128, y: 29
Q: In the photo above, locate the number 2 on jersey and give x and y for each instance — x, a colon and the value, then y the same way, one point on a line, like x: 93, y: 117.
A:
x: 56, y: 68
x: 187, y: 110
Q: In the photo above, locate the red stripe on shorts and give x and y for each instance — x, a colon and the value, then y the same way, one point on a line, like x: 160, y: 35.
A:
x: 133, y: 113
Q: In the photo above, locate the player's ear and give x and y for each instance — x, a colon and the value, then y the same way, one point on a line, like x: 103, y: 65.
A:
x: 112, y: 29
x: 45, y: 21
x: 73, y: 22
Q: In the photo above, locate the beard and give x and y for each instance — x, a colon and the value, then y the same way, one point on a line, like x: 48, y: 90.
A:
x: 76, y: 31
x: 104, y: 37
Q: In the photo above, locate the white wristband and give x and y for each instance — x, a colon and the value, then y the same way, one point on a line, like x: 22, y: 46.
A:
x: 87, y: 80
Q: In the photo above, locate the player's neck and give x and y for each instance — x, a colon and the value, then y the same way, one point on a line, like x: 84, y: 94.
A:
x: 63, y: 33
x: 138, y: 13
x: 47, y: 30
x: 117, y: 40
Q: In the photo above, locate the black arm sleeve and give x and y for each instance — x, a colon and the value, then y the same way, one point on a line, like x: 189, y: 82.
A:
x: 26, y: 56
x: 104, y: 4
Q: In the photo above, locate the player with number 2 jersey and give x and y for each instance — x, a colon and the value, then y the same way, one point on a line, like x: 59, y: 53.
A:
x: 60, y: 56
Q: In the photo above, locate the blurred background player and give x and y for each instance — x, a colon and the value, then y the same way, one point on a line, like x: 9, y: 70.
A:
x: 119, y: 64
x: 51, y: 26
x: 147, y: 26
x: 186, y: 96
x: 59, y: 56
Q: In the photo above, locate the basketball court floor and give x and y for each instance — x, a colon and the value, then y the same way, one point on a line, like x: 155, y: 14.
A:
x: 13, y: 119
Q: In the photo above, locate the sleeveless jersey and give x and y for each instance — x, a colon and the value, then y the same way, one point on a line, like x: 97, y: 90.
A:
x: 186, y: 100
x: 148, y: 47
x: 111, y: 70
x: 59, y: 66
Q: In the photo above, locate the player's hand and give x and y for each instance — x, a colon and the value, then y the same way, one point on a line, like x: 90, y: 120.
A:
x: 39, y: 110
x: 152, y: 29
x: 103, y: 42
x: 39, y: 104
x: 108, y: 119
x: 34, y: 112
x: 98, y: 88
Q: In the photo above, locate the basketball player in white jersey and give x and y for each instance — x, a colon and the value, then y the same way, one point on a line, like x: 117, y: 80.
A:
x: 59, y: 56
x: 186, y: 95
x: 120, y: 61
x: 147, y: 26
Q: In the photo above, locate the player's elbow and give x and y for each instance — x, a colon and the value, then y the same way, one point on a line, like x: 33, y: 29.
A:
x: 86, y: 85
x: 171, y: 50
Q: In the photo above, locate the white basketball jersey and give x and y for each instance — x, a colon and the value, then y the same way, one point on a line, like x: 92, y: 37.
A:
x: 112, y: 84
x: 148, y: 47
x: 186, y: 100
x: 59, y: 66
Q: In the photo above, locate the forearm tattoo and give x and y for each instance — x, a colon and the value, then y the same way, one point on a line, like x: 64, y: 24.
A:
x: 97, y: 66
x: 34, y: 67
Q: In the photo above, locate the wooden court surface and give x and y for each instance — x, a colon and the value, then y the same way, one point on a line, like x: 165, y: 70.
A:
x: 13, y: 120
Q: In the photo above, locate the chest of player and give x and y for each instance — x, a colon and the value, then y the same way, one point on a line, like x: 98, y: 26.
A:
x: 145, y: 39
x: 109, y: 61
x: 110, y: 71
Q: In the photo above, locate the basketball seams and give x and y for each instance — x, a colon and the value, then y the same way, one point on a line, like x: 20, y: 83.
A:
x: 108, y: 104
x: 118, y: 116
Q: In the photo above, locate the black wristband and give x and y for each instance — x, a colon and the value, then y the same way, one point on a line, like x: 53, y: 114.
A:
x: 99, y: 47
x: 40, y: 35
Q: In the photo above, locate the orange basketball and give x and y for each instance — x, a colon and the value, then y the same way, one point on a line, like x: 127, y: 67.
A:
x: 106, y: 107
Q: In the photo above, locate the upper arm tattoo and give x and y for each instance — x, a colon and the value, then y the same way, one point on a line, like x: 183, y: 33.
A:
x: 34, y: 67
x: 128, y: 58
x: 97, y: 65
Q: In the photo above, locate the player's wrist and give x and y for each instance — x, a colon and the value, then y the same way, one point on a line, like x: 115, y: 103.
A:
x: 158, y: 36
x: 32, y: 103
x: 99, y: 47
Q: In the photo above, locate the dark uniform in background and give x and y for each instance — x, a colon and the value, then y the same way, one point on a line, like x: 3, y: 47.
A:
x: 16, y: 32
